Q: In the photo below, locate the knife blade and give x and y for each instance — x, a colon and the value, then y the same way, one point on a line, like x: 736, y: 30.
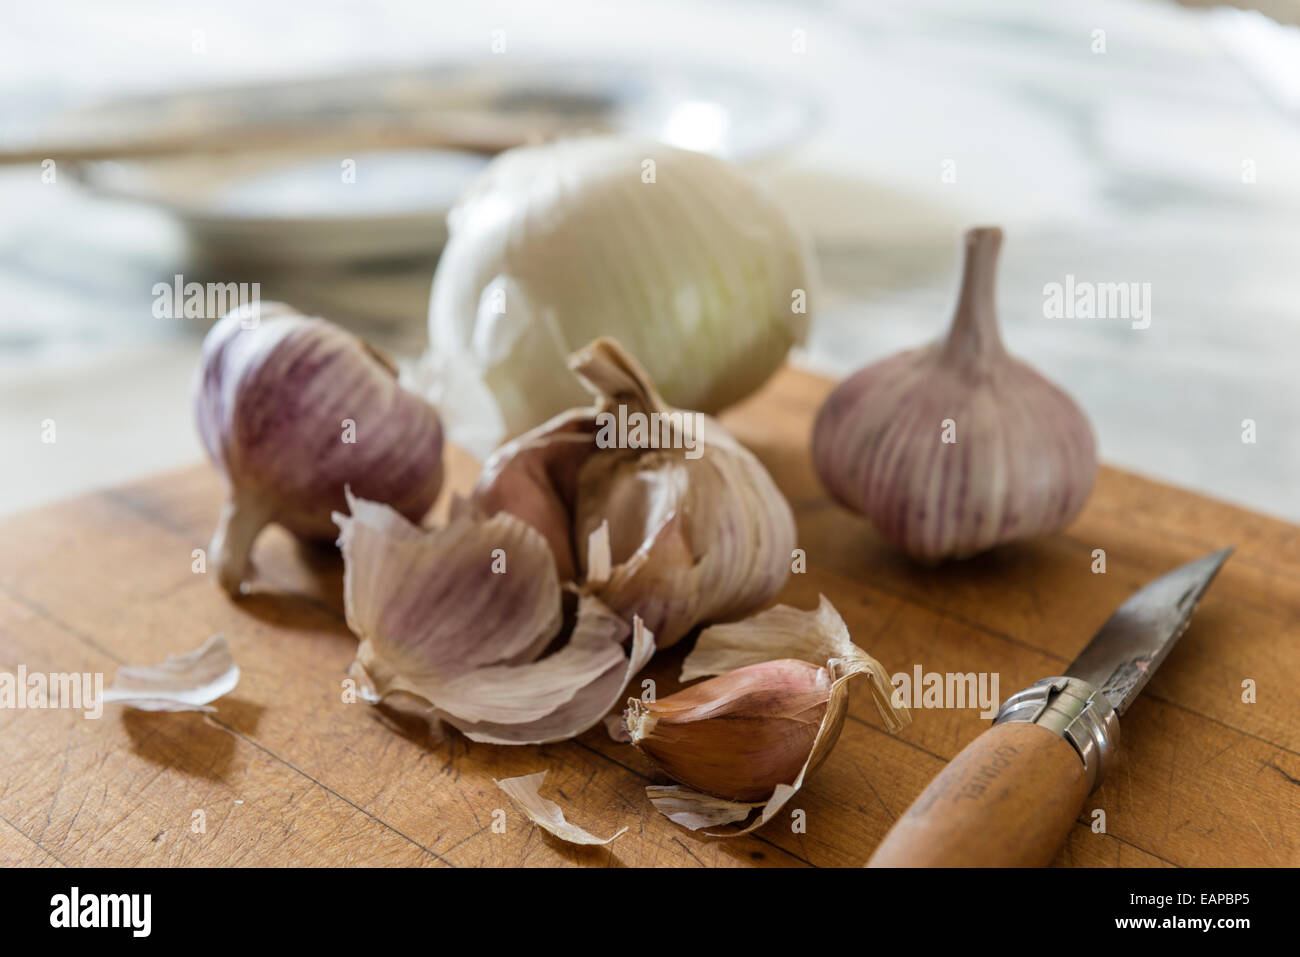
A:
x: 1124, y: 654
x: 1010, y: 797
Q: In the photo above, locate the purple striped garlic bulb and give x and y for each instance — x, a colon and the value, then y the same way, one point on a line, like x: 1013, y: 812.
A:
x: 657, y: 511
x: 956, y: 447
x: 294, y: 409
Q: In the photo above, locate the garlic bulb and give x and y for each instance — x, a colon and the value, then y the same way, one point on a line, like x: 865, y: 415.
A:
x: 657, y: 511
x: 746, y: 740
x: 676, y: 254
x: 740, y: 734
x: 956, y: 447
x: 293, y: 409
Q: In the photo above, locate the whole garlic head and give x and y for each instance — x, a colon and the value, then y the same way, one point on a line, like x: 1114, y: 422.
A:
x: 678, y: 255
x: 684, y: 529
x: 292, y: 410
x: 957, y: 447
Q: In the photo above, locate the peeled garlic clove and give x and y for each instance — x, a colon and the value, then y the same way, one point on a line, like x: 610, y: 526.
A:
x: 689, y: 537
x: 291, y: 409
x: 460, y: 616
x: 956, y: 447
x: 698, y: 273
x: 739, y: 735
x: 753, y: 656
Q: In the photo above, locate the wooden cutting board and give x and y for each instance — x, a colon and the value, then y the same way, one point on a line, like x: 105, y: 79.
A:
x: 286, y: 773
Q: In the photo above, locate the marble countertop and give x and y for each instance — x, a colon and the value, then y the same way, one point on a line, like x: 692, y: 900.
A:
x: 1162, y: 160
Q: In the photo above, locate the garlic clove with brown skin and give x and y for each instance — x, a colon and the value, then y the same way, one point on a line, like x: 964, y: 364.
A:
x: 292, y: 409
x: 740, y: 734
x: 957, y: 447
x: 770, y: 714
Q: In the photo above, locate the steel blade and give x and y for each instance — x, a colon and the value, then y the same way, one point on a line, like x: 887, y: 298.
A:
x: 1124, y: 654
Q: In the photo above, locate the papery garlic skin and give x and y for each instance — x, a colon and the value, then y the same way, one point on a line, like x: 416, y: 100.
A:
x: 690, y: 539
x: 187, y: 682
x: 677, y: 254
x: 439, y: 620
x: 1023, y: 456
x: 739, y: 735
x: 292, y: 409
x: 525, y: 791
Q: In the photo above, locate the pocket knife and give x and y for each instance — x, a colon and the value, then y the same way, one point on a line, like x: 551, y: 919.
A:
x: 1010, y: 797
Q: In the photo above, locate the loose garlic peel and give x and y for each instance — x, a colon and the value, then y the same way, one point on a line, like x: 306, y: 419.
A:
x: 181, y: 683
x: 682, y: 540
x: 525, y: 792
x: 818, y: 637
x: 439, y: 623
x: 1019, y: 457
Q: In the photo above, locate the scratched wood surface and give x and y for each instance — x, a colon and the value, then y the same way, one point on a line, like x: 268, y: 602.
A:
x: 285, y: 773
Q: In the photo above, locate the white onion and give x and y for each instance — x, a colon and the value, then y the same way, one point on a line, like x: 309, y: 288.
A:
x: 695, y: 273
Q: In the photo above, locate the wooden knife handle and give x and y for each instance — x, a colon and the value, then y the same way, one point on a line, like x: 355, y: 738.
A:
x: 1007, y: 800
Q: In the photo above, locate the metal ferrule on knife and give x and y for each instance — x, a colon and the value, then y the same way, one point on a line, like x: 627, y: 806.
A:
x: 1074, y: 710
